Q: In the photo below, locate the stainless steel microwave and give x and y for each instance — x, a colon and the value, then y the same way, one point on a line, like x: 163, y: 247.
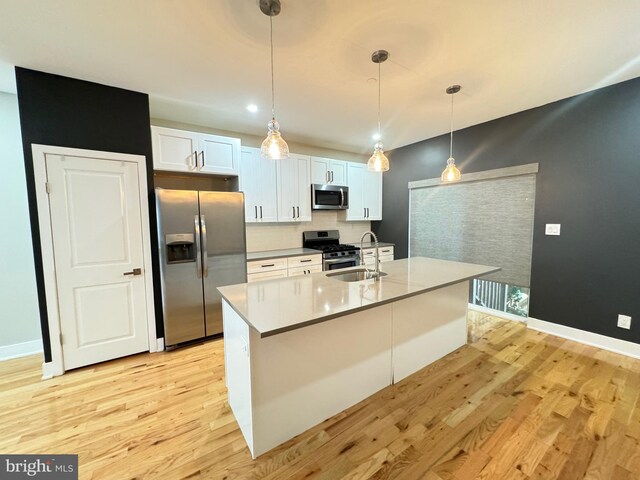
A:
x: 329, y: 197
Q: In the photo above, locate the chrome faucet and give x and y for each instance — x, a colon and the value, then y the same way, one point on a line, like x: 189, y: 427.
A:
x: 376, y: 273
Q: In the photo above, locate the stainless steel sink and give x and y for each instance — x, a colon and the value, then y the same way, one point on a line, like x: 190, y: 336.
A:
x: 354, y: 275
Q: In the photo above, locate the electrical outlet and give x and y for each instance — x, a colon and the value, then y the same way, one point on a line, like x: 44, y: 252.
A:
x: 552, y: 229
x: 624, y: 321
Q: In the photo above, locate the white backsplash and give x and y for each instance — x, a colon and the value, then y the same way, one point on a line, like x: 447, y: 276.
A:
x: 274, y: 236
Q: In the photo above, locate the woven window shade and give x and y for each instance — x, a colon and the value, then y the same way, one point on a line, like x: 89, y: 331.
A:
x: 487, y: 221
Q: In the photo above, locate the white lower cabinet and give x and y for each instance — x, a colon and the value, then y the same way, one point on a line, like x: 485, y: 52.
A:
x: 385, y: 255
x: 254, y: 277
x: 283, y: 267
x: 292, y: 272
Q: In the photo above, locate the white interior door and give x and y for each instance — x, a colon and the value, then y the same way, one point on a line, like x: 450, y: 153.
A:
x: 99, y: 258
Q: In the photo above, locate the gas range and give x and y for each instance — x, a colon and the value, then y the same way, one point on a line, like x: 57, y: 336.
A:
x: 334, y: 254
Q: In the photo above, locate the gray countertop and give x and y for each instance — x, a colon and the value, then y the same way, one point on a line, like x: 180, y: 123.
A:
x: 288, y: 252
x: 280, y: 305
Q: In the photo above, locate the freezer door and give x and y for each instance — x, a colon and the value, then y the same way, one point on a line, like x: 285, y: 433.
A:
x: 224, y: 251
x: 180, y: 263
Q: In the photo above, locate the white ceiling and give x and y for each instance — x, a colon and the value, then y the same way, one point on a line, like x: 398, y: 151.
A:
x: 203, y: 61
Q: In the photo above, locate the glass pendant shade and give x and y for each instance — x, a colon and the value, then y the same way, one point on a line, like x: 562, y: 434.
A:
x: 274, y: 147
x: 451, y: 173
x: 378, y: 161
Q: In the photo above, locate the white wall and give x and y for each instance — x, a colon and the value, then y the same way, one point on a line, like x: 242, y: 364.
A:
x: 19, y: 317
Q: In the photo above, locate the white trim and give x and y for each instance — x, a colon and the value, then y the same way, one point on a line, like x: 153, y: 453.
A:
x: 159, y: 344
x: 526, y: 169
x: 610, y: 344
x: 39, y: 152
x: 497, y: 313
x: 23, y: 349
x: 49, y: 370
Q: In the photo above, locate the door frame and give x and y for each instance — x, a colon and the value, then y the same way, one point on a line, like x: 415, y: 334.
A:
x: 56, y: 366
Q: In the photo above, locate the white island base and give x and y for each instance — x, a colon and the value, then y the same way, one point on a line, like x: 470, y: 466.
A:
x: 283, y: 384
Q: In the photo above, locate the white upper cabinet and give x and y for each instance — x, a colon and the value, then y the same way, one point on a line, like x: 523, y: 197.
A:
x: 182, y: 151
x: 174, y: 150
x: 219, y: 155
x: 355, y: 182
x: 373, y: 194
x: 257, y: 181
x: 365, y: 193
x: 328, y: 171
x: 294, y: 189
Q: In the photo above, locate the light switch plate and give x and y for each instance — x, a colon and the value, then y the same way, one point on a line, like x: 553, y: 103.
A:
x: 552, y: 229
x: 624, y: 321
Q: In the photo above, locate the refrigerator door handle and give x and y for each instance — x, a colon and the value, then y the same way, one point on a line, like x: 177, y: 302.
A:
x: 198, y: 248
x: 205, y: 257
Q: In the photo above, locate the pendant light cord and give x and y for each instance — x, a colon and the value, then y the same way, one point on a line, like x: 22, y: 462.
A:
x: 273, y: 94
x: 451, y: 140
x: 379, y: 82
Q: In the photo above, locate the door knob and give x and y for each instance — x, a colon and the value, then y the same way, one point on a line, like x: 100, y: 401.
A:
x: 135, y: 271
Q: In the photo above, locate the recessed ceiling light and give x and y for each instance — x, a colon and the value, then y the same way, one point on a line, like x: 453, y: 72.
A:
x: 252, y: 108
x: 376, y: 136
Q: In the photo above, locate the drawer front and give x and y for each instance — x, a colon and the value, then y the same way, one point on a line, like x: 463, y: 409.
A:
x: 257, y: 266
x: 371, y: 260
x: 304, y: 270
x: 382, y: 251
x: 254, y: 277
x: 304, y: 261
x: 368, y: 252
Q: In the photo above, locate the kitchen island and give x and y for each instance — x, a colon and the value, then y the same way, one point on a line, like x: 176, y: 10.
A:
x: 301, y: 349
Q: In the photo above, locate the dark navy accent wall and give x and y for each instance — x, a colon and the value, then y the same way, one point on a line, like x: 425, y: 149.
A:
x: 66, y: 112
x: 588, y: 148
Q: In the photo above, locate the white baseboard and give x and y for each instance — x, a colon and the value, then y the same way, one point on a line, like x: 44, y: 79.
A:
x: 20, y: 349
x: 497, y: 313
x: 615, y: 345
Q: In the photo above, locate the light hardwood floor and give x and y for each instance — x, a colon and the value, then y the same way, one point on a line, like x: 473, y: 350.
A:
x: 512, y: 404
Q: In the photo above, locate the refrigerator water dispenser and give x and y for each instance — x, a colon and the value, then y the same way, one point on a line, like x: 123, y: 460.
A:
x: 180, y: 248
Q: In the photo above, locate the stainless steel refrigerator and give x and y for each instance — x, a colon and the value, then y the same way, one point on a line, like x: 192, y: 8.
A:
x: 202, y: 246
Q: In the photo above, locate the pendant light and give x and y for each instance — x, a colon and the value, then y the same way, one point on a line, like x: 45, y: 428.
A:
x: 451, y: 173
x: 274, y: 146
x: 378, y: 161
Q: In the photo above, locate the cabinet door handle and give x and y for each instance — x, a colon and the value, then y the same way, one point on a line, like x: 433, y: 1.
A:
x: 256, y: 209
x: 331, y: 176
x: 268, y: 265
x: 305, y: 261
x: 326, y: 176
x: 294, y: 212
x: 202, y: 158
x: 365, y: 212
x: 260, y: 211
x: 298, y: 208
x: 195, y: 157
